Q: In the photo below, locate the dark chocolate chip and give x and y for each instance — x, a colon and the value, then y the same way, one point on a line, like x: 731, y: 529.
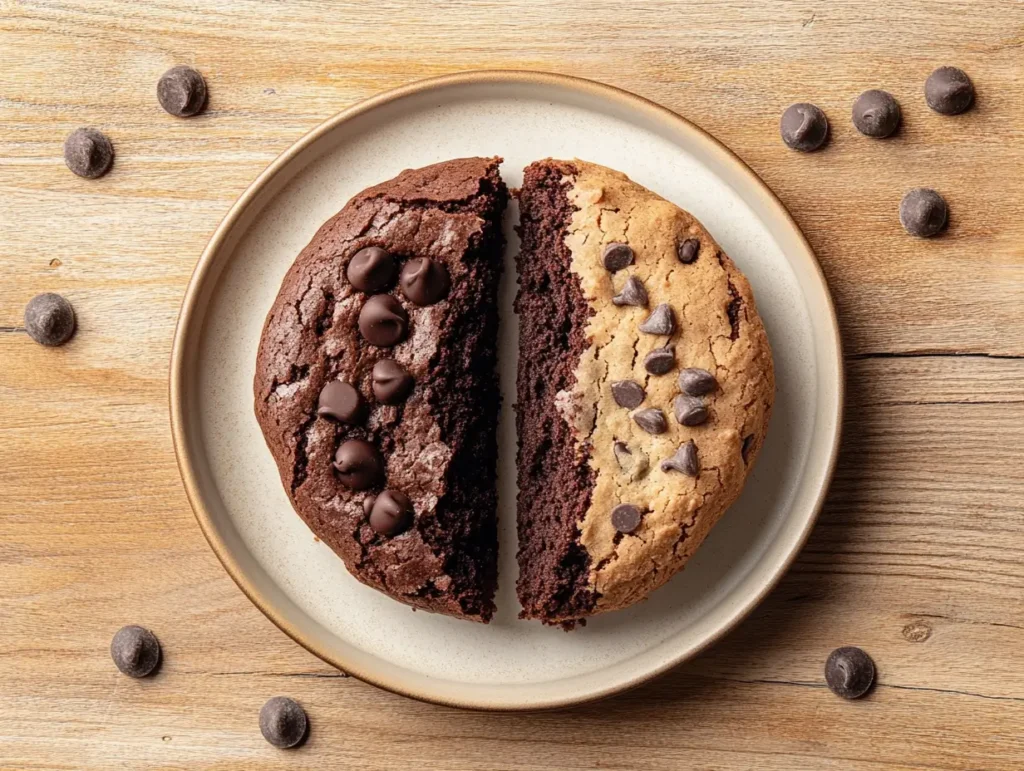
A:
x: 371, y: 269
x: 88, y: 153
x: 685, y: 460
x: 652, y: 420
x: 923, y: 212
x: 359, y: 464
x: 748, y: 442
x: 662, y: 321
x: 849, y: 672
x: 617, y: 256
x: 696, y: 381
x: 391, y: 513
x: 625, y: 517
x: 661, y: 360
x: 383, y: 321
x: 342, y: 401
x: 181, y: 91
x: 876, y: 113
x: 135, y: 651
x: 803, y: 127
x: 392, y: 383
x: 283, y: 722
x: 49, y: 319
x: 690, y: 410
x: 949, y: 91
x: 627, y: 393
x: 633, y: 293
x: 688, y: 250
x: 424, y: 281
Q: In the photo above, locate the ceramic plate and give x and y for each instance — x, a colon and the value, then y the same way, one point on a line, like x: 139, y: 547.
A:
x: 303, y: 587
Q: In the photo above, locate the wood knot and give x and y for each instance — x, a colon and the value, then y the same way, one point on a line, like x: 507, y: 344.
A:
x: 917, y: 632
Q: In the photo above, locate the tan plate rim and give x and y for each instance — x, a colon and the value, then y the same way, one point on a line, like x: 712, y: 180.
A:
x: 186, y: 335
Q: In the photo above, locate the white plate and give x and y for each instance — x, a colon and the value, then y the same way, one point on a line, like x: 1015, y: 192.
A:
x: 509, y: 664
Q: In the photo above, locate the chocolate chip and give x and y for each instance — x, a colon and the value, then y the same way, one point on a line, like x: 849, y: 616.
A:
x: 88, y: 153
x: 625, y: 517
x: 662, y: 321
x: 696, y: 381
x: 685, y: 460
x: 617, y: 256
x: 135, y: 651
x: 949, y: 91
x: 690, y: 410
x: 923, y: 212
x: 343, y: 402
x: 391, y: 513
x: 359, y: 464
x: 424, y: 281
x: 633, y: 293
x: 652, y: 420
x: 876, y: 113
x: 688, y: 250
x: 371, y: 269
x: 628, y: 393
x: 181, y: 91
x: 283, y: 722
x: 49, y: 319
x: 392, y: 383
x: 748, y: 442
x: 803, y: 127
x: 660, y: 360
x: 849, y: 672
x: 383, y: 321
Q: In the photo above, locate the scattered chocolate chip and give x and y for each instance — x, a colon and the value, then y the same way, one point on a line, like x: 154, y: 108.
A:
x: 283, y: 722
x: 685, y: 460
x: 371, y: 269
x: 652, y: 420
x: 383, y: 321
x: 391, y: 513
x: 748, y: 442
x: 662, y: 321
x: 661, y: 360
x: 696, y: 381
x: 949, y: 91
x: 135, y: 651
x: 342, y: 401
x: 923, y: 212
x: 628, y: 393
x: 49, y: 319
x: 690, y: 410
x: 633, y: 293
x: 803, y: 127
x: 625, y: 517
x: 617, y: 256
x: 88, y: 153
x: 849, y: 672
x: 359, y: 464
x: 392, y: 383
x: 181, y: 91
x: 424, y: 281
x: 688, y: 250
x: 876, y: 113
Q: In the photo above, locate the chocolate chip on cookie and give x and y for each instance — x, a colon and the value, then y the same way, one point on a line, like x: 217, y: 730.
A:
x: 849, y: 672
x: 688, y: 250
x: 876, y: 113
x: 662, y: 321
x: 949, y: 91
x: 923, y: 212
x: 627, y: 393
x: 804, y: 127
x: 424, y: 281
x: 652, y: 420
x: 383, y: 321
x: 696, y: 381
x: 690, y: 410
x: 391, y: 513
x: 371, y: 269
x: 685, y: 460
x: 633, y: 293
x: 49, y: 319
x: 615, y: 257
x: 391, y: 382
x: 661, y: 360
x: 283, y: 722
x: 181, y: 91
x: 342, y: 401
x: 88, y: 153
x: 359, y: 464
x: 626, y: 518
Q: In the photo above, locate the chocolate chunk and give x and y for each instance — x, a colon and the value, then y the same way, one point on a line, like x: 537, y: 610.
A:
x: 628, y: 393
x: 662, y: 321
x: 283, y: 722
x: 803, y: 127
x: 748, y: 442
x: 343, y: 402
x: 849, y: 672
x: 923, y: 212
x: 685, y: 460
x: 49, y: 319
x: 391, y: 513
x: 135, y: 651
x: 633, y: 293
x: 359, y: 464
x: 383, y: 321
x: 424, y: 281
x: 392, y: 383
x: 617, y: 256
x: 688, y: 250
x: 652, y: 420
x: 696, y: 381
x: 690, y: 410
x: 371, y: 269
x: 949, y: 91
x: 660, y: 360
x: 88, y: 153
x: 625, y: 517
x: 876, y: 113
x: 181, y: 91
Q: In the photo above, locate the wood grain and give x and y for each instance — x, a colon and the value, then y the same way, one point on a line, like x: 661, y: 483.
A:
x: 919, y: 556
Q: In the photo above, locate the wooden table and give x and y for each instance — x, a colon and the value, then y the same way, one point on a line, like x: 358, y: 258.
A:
x: 919, y: 554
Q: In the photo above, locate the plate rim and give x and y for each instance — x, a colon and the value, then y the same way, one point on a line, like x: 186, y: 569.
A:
x: 184, y: 334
